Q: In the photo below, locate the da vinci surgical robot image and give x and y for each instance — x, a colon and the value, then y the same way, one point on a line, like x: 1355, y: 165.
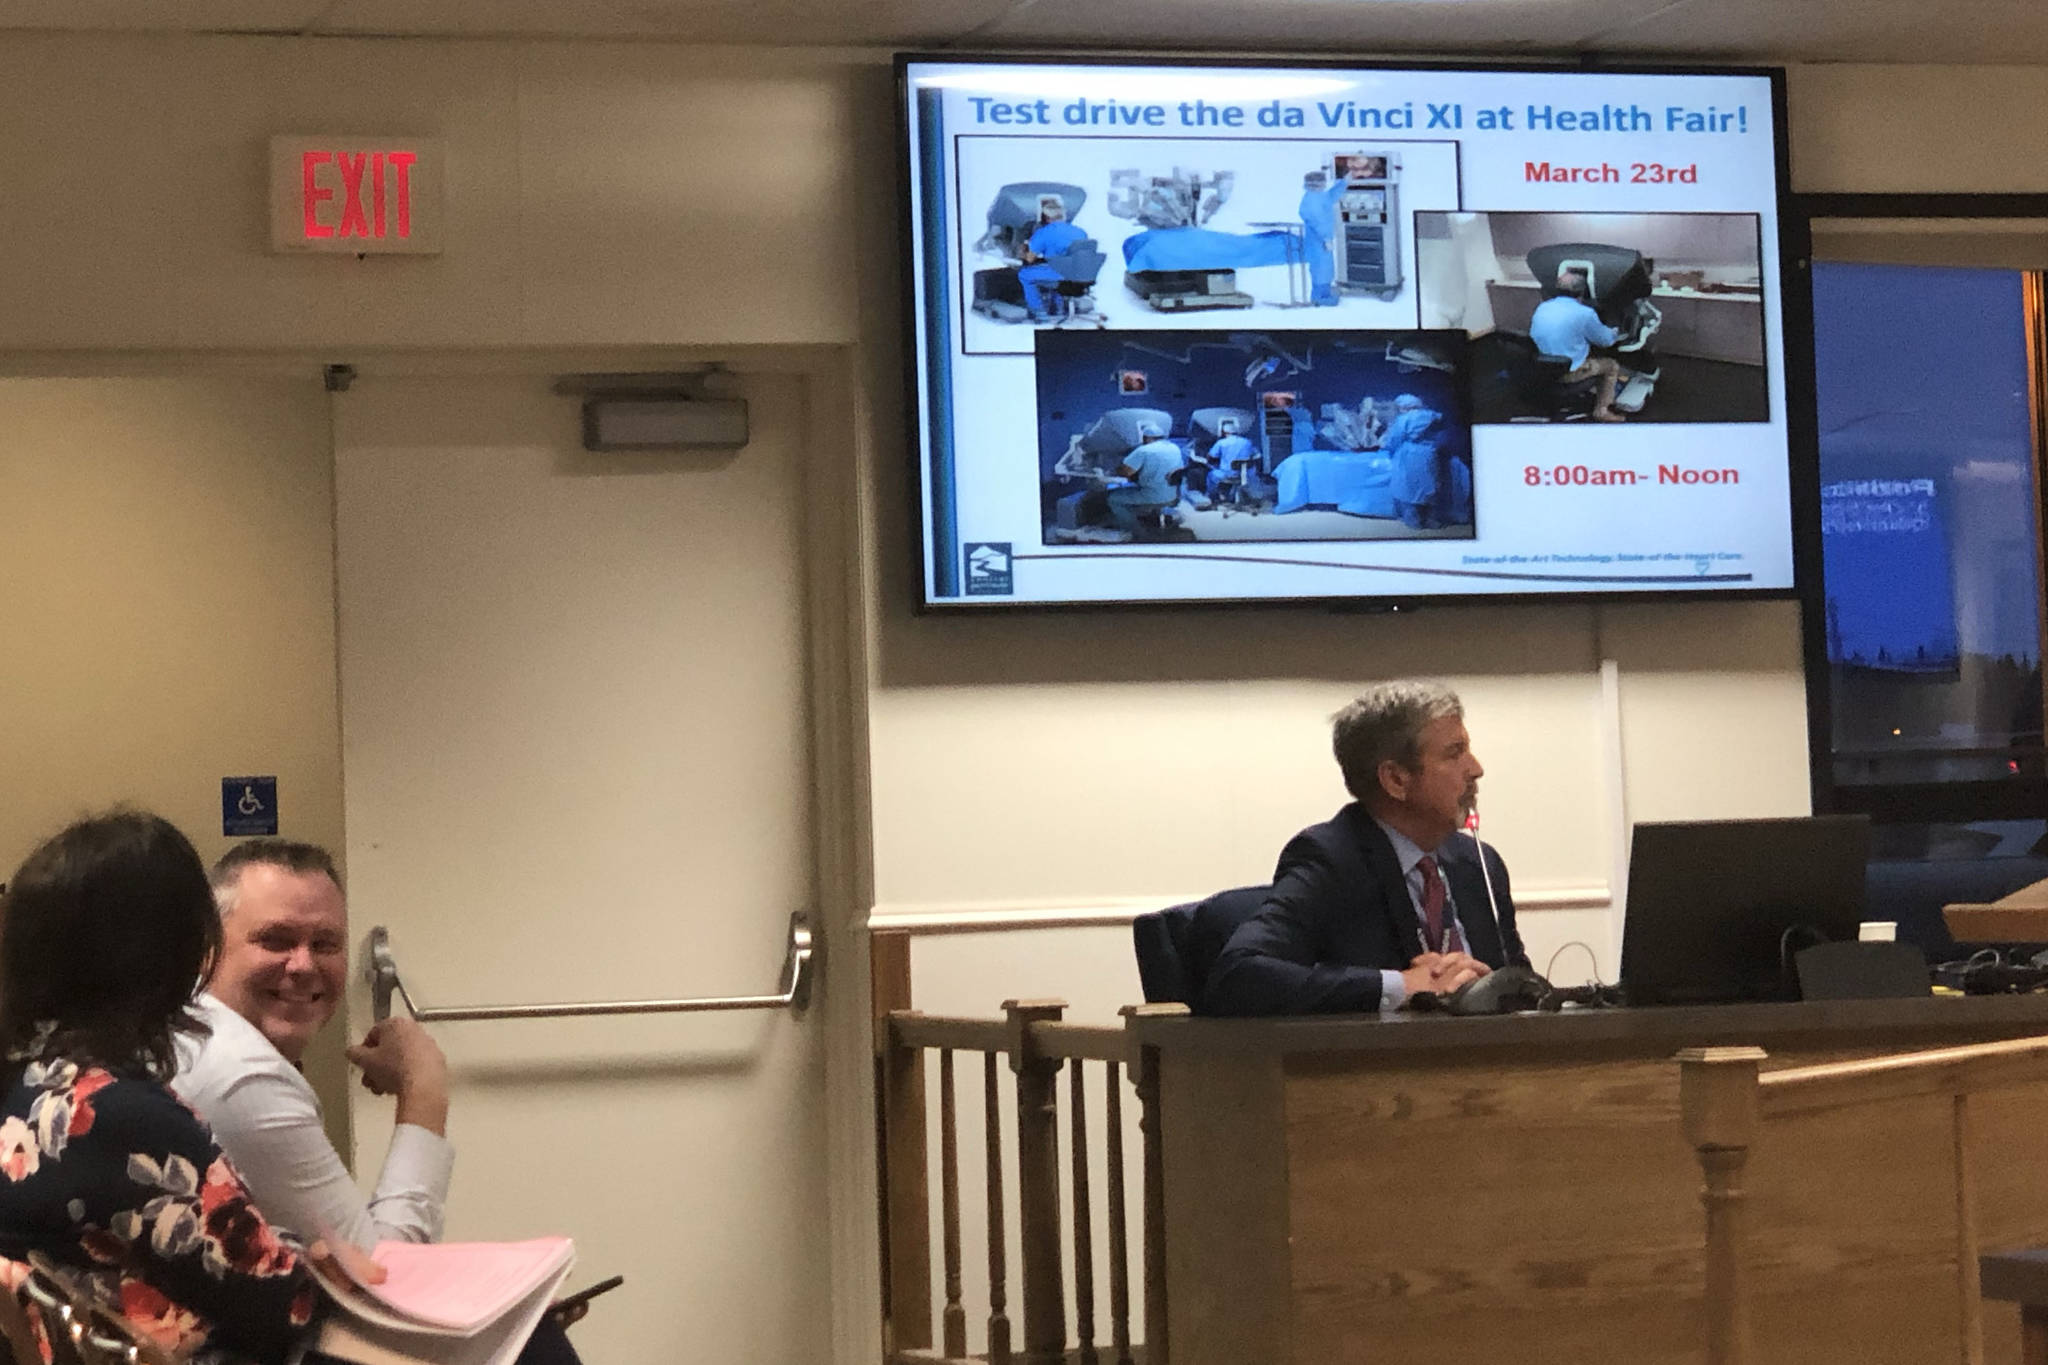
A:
x: 1367, y: 243
x: 1619, y: 282
x: 1176, y: 264
x: 1050, y: 261
x: 1346, y: 238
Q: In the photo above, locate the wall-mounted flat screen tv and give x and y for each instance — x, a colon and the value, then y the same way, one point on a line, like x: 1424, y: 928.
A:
x: 1221, y: 332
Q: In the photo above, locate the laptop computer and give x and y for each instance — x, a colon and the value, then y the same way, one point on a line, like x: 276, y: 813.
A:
x: 1716, y: 908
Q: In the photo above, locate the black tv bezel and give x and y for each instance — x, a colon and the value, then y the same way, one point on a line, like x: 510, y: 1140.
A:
x: 1796, y: 341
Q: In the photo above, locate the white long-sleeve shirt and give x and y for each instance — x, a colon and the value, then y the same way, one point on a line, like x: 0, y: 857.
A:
x: 267, y: 1119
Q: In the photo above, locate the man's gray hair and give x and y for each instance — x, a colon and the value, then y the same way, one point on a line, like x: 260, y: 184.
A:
x: 1386, y: 722
x: 289, y: 854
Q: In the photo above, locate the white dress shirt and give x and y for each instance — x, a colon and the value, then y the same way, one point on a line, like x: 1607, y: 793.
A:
x: 267, y: 1119
x: 1393, y: 990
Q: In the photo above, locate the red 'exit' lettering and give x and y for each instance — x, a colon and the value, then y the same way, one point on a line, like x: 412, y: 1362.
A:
x: 322, y: 174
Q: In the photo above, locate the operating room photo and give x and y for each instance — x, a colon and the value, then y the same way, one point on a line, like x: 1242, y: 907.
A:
x: 1247, y: 436
x: 1601, y: 317
x: 1088, y: 233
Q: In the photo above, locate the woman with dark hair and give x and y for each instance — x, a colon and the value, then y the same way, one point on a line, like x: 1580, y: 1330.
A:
x: 105, y: 932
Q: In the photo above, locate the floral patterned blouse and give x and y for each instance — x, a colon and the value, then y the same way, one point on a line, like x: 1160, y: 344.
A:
x: 110, y: 1174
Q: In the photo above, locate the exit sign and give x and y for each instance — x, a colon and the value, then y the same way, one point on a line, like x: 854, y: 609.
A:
x: 357, y: 196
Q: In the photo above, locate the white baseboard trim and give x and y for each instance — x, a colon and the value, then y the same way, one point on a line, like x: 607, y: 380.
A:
x: 984, y: 917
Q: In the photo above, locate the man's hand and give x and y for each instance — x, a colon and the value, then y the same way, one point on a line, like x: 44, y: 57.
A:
x: 1442, y: 973
x: 1455, y: 969
x: 340, y: 1261
x: 397, y: 1053
x: 1421, y: 974
x: 398, y: 1058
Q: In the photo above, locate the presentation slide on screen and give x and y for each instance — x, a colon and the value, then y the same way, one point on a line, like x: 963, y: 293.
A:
x: 1225, y: 333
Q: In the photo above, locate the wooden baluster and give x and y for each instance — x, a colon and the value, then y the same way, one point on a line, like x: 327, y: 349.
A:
x: 1084, y: 1227
x: 902, y: 1154
x: 1968, y: 1284
x: 1119, y: 1234
x: 1717, y: 1100
x: 1038, y: 1182
x: 954, y: 1327
x: 1157, y: 1344
x: 998, y: 1268
x: 1157, y: 1350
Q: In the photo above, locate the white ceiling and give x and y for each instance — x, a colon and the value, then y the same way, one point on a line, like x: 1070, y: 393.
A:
x: 1993, y: 31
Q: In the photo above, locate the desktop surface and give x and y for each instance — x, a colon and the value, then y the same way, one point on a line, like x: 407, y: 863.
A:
x: 1934, y: 1019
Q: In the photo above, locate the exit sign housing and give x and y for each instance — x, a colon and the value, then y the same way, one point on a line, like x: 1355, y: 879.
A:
x: 355, y: 196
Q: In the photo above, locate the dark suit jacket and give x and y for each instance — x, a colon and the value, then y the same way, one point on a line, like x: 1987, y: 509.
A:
x: 1339, y: 914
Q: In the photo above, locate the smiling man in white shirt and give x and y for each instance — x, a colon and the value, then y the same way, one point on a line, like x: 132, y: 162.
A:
x: 282, y: 970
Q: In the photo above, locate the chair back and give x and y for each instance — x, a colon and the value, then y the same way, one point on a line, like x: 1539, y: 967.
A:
x: 78, y: 1328
x: 1177, y: 946
x: 1079, y: 263
x: 1160, y: 938
x: 16, y: 1334
x: 1543, y: 379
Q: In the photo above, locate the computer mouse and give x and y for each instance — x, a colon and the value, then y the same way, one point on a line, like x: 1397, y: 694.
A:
x: 1506, y: 990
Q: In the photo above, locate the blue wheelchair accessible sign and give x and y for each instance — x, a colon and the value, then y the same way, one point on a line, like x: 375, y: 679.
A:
x: 248, y: 806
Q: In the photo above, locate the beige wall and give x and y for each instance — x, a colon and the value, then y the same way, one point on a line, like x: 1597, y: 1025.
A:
x: 168, y: 551
x: 1918, y: 129
x: 597, y: 193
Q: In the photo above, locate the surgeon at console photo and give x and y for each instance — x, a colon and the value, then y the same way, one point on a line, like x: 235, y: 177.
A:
x: 1601, y: 317
x: 1252, y: 436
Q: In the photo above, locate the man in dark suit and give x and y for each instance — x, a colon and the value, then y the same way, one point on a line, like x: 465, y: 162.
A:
x: 1386, y: 900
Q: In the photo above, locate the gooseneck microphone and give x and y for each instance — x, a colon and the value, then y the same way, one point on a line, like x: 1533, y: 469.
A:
x: 1472, y: 828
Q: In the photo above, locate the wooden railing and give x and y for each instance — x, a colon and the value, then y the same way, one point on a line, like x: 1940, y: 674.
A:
x: 1031, y: 1041
x: 1725, y: 1099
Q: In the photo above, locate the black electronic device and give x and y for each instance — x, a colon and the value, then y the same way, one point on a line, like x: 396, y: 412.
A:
x: 1862, y: 971
x: 572, y: 1302
x: 1592, y: 995
x: 1987, y: 974
x: 1714, y: 906
x: 1506, y: 990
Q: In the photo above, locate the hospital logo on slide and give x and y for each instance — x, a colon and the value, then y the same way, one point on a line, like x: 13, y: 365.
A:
x: 988, y: 568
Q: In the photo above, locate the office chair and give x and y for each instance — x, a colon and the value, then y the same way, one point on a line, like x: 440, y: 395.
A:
x: 78, y: 1328
x: 1161, y: 940
x: 1541, y: 382
x: 1177, y: 946
x: 1160, y: 521
x: 1078, y: 267
x: 1246, y: 493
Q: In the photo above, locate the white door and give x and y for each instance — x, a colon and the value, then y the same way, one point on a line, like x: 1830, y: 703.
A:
x: 578, y: 766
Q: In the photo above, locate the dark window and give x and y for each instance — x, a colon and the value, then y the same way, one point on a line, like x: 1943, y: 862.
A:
x: 1930, y: 535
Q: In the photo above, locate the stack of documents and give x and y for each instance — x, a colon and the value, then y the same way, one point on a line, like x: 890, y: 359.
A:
x: 453, y: 1303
